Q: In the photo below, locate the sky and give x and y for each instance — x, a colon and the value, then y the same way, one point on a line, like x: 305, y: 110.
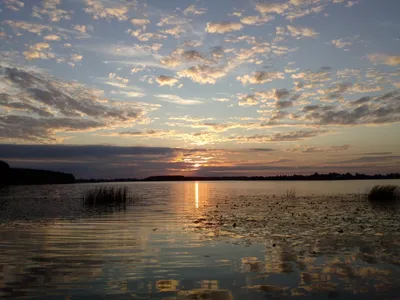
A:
x: 131, y: 88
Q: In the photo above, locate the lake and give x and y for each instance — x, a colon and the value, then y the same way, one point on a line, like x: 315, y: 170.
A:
x: 200, y: 240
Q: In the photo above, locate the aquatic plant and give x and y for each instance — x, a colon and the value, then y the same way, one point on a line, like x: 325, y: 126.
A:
x: 384, y: 193
x: 106, y: 196
x: 291, y: 193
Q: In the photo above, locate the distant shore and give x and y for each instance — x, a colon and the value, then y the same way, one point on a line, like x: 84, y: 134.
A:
x: 313, y: 177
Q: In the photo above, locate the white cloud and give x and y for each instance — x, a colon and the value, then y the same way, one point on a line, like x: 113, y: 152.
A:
x: 76, y: 57
x: 341, y: 43
x: 267, y: 7
x: 378, y: 58
x: 203, y: 74
x: 52, y: 37
x: 193, y: 10
x: 178, y: 100
x: 261, y: 77
x: 140, y: 22
x: 256, y: 20
x: 166, y: 80
x: 106, y: 10
x: 300, y: 32
x: 223, y: 27
x: 14, y: 5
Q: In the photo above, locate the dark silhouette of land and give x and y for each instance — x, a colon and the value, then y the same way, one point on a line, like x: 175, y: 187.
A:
x: 17, y: 176
x: 315, y: 176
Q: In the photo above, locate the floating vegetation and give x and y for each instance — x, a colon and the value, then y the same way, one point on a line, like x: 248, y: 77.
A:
x: 106, y: 196
x: 384, y: 194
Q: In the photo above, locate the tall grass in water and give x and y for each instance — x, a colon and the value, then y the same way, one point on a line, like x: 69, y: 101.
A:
x: 106, y: 196
x: 384, y: 194
x: 290, y: 194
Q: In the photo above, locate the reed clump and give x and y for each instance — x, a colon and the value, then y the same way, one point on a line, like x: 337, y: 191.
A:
x: 291, y: 194
x: 384, y: 194
x: 106, y: 196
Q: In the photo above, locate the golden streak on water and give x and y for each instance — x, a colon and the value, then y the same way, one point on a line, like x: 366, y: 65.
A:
x: 196, y: 191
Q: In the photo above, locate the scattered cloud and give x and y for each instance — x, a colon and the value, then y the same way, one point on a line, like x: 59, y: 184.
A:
x: 51, y: 9
x: 167, y: 80
x: 193, y: 10
x: 68, y: 107
x: 203, y: 74
x: 14, y: 5
x: 378, y: 58
x: 260, y: 77
x: 106, y: 10
x: 301, y: 32
x: 278, y: 137
x: 52, y: 37
x: 140, y: 22
x: 30, y: 27
x: 223, y: 27
x: 178, y: 100
x: 268, y: 7
x: 314, y: 149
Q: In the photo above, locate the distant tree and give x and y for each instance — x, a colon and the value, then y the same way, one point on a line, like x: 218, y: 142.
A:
x: 4, y: 172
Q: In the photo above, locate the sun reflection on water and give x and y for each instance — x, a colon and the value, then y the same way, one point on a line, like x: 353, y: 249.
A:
x: 196, y: 193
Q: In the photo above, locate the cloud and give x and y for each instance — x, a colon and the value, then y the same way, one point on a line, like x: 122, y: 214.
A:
x: 248, y: 100
x: 260, y: 77
x: 384, y: 109
x: 370, y: 159
x: 276, y: 94
x: 203, y: 74
x: 72, y: 106
x: 377, y: 153
x: 180, y: 56
x: 303, y: 2
x: 30, y: 55
x: 301, y: 32
x: 106, y: 10
x: 378, y: 58
x: 223, y: 27
x: 221, y: 99
x: 256, y: 20
x: 14, y: 5
x: 149, y: 133
x: 83, y: 28
x: 39, y: 51
x: 261, y: 149
x: 313, y: 149
x: 214, y: 126
x: 166, y: 80
x: 75, y: 151
x: 193, y: 10
x: 341, y: 43
x: 279, y: 137
x: 130, y: 94
x: 49, y: 8
x: 268, y: 8
x: 319, y: 76
x: 52, y: 37
x: 30, y: 27
x: 140, y: 22
x: 178, y: 100
x: 147, y: 36
x: 76, y: 57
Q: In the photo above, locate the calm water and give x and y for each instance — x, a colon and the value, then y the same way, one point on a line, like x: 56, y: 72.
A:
x: 205, y: 240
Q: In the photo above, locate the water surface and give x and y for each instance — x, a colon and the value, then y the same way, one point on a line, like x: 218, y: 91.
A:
x: 199, y: 240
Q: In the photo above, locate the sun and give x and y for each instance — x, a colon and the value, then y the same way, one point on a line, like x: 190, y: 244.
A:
x: 197, y: 165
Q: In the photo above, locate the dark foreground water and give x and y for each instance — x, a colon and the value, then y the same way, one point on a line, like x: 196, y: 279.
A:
x: 205, y: 240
